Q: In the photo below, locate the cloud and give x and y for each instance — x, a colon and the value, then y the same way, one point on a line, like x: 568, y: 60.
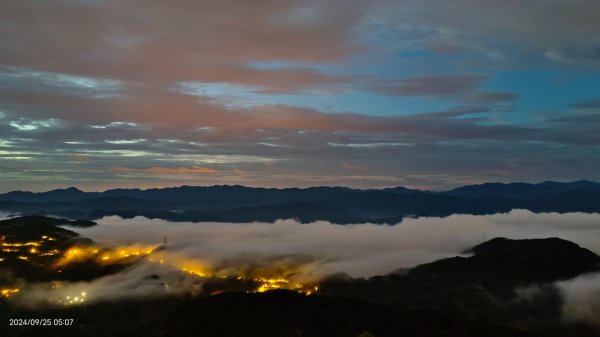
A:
x: 208, y: 42
x: 25, y: 124
x: 186, y: 113
x: 443, y: 85
x: 165, y: 170
x: 77, y: 158
x: 585, y: 104
x: 581, y: 298
x: 310, y: 252
x: 428, y: 79
x: 359, y: 250
x: 351, y: 166
x: 499, y: 34
x: 491, y: 97
x: 134, y: 282
x: 24, y: 79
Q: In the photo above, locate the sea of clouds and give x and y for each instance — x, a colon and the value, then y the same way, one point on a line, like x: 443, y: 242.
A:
x: 314, y: 250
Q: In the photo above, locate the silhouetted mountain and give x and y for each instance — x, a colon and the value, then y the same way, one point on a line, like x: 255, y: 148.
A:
x: 399, y: 190
x: 336, y: 204
x: 32, y: 227
x: 519, y: 261
x: 485, y: 287
x: 68, y: 194
x: 522, y: 190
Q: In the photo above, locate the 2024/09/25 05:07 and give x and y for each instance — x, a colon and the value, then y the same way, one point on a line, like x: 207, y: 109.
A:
x: 41, y: 321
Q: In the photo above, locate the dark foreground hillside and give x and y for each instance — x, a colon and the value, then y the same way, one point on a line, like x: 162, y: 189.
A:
x: 275, y: 313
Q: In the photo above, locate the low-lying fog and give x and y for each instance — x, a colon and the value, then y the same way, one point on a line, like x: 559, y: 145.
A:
x: 359, y: 250
x: 321, y: 248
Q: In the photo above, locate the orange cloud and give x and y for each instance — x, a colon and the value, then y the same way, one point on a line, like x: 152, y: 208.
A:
x: 165, y: 170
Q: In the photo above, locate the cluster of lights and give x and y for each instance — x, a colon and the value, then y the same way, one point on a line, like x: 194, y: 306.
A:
x: 24, y: 251
x: 73, y: 299
x: 77, y: 254
x: 30, y: 247
x: 20, y: 244
x: 50, y: 252
x: 108, y: 256
x: 193, y: 272
x: 7, y: 292
x: 264, y: 283
x: 267, y: 284
x: 125, y: 252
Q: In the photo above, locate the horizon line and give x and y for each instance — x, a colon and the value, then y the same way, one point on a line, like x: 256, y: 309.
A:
x: 304, y: 188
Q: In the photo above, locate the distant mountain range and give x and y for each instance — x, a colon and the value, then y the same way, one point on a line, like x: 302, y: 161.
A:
x: 336, y: 204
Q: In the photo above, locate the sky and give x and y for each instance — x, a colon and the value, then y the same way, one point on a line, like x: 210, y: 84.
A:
x: 428, y: 94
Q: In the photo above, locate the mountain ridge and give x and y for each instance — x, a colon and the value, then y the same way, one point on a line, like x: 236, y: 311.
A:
x: 343, y: 205
x: 582, y: 183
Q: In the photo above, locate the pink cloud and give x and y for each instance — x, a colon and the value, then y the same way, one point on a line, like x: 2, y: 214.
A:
x: 167, y: 41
